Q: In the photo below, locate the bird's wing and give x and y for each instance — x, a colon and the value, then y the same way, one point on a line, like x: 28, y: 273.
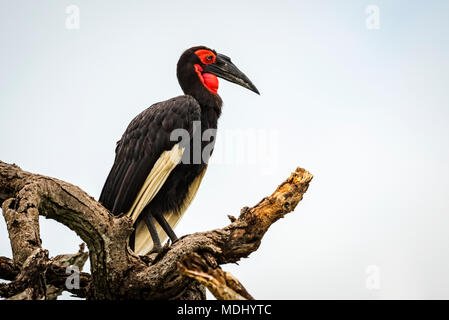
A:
x: 143, y: 242
x: 167, y: 161
x: 146, y: 148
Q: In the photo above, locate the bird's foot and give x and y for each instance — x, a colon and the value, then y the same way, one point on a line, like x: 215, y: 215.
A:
x: 156, y: 249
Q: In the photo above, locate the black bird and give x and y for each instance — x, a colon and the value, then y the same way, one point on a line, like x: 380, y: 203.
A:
x: 155, y: 176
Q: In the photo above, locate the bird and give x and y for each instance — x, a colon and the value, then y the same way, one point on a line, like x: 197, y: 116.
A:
x: 155, y: 177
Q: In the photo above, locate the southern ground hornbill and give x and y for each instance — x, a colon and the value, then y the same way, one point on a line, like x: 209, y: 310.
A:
x: 153, y: 178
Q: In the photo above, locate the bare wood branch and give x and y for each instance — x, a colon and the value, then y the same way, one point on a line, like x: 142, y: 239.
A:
x: 8, y: 269
x: 43, y: 275
x: 57, y: 274
x: 116, y: 272
x: 221, y: 284
x: 22, y: 219
x: 30, y: 282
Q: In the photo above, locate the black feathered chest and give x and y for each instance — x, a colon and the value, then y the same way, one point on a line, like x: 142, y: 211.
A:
x: 172, y: 195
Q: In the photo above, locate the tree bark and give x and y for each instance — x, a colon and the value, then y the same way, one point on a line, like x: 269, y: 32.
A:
x: 181, y: 271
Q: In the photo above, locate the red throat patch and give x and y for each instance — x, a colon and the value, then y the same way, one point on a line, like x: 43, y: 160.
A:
x: 209, y: 80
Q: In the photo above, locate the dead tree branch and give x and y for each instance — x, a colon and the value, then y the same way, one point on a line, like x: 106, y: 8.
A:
x: 179, y: 272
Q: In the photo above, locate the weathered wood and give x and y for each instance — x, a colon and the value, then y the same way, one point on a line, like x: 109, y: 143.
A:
x: 180, y: 271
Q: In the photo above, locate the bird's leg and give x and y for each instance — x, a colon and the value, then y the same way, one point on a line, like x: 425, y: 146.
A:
x: 150, y: 225
x: 167, y: 228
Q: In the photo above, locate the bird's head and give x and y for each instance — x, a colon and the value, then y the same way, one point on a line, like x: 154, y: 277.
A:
x: 199, y: 67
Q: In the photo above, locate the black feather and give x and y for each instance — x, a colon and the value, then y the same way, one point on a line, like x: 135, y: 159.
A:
x: 147, y: 136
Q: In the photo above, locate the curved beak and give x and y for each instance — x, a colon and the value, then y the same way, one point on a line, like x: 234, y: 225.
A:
x: 225, y: 69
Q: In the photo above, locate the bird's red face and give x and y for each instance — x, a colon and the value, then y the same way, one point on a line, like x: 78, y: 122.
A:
x: 209, y: 80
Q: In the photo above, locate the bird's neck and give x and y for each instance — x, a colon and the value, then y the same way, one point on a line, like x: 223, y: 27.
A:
x: 210, y: 111
x: 191, y: 85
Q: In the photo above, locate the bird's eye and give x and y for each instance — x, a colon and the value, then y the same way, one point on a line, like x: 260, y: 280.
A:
x: 209, y: 58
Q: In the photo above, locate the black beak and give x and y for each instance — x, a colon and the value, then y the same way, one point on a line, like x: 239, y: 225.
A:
x: 225, y: 69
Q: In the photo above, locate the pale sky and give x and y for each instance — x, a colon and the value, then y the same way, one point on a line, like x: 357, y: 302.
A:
x: 365, y: 110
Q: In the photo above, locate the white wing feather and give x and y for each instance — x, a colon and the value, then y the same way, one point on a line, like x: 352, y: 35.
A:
x: 156, y: 178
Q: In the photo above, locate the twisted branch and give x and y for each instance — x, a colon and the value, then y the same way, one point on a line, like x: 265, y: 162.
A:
x: 180, y: 271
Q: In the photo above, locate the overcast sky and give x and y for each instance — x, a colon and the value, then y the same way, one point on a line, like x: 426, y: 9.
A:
x: 356, y: 94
